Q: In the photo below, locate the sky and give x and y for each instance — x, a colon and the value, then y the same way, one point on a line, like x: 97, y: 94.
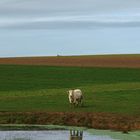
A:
x: 69, y: 27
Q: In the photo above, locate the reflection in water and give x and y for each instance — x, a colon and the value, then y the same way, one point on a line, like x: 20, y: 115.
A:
x: 76, y: 135
x: 64, y: 135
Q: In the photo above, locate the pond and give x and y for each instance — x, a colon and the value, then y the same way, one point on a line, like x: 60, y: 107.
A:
x: 49, y: 135
x: 66, y: 135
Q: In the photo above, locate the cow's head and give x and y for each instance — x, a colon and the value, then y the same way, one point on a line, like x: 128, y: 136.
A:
x: 71, y: 96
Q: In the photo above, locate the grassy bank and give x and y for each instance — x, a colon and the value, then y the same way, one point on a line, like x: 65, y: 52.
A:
x: 43, y: 88
x: 90, y: 120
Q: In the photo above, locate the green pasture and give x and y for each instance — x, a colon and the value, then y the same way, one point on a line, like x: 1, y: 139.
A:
x: 43, y: 88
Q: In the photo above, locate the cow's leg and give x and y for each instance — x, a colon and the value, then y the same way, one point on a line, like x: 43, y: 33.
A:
x: 72, y: 104
x: 81, y: 102
x: 77, y: 102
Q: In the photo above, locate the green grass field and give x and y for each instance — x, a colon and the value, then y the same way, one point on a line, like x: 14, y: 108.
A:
x: 43, y: 88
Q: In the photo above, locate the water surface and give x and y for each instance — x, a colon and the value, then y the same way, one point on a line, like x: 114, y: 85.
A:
x: 51, y: 134
x: 47, y: 135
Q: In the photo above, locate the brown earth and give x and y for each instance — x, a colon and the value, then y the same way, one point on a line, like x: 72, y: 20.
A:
x: 130, y: 61
x: 91, y: 120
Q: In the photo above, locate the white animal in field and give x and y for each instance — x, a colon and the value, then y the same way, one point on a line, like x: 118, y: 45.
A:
x: 75, y: 97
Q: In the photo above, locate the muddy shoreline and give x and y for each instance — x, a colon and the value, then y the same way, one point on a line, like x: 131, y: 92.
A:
x: 105, y: 121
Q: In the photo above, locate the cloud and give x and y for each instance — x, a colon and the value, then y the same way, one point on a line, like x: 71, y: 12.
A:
x: 62, y: 22
x: 61, y: 14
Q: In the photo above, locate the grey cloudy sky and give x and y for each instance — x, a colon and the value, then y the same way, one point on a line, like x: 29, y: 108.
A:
x: 48, y: 27
x: 48, y: 14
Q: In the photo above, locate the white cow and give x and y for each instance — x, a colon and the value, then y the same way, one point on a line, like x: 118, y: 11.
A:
x: 75, y: 97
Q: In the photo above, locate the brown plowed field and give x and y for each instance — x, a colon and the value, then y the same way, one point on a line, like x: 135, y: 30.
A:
x: 131, y: 61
